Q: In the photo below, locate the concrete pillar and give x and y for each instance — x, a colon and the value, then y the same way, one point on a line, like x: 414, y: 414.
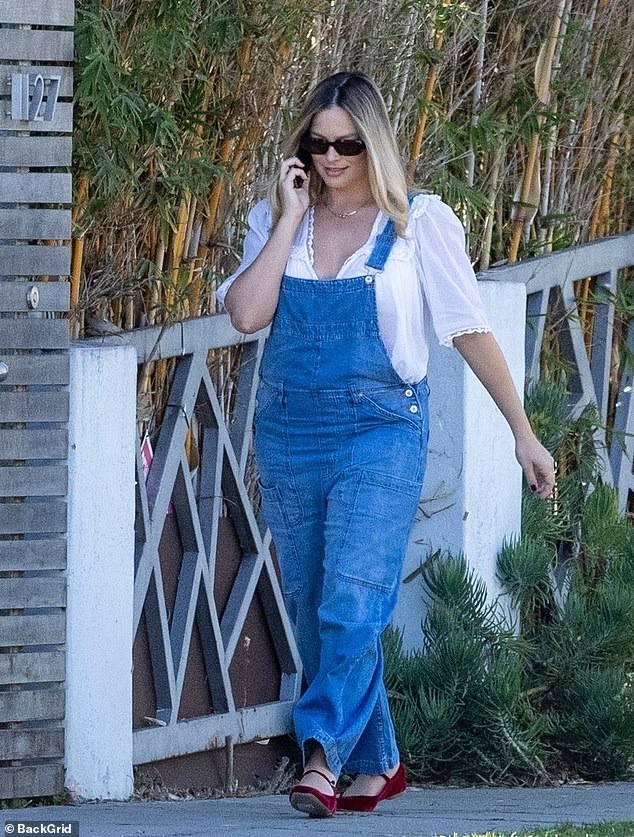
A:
x: 100, y: 574
x: 471, y: 499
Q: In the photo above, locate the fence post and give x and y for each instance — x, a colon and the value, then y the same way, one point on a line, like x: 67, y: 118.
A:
x: 100, y: 571
x: 471, y: 499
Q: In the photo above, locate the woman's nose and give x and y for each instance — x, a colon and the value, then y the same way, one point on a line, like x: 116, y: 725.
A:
x: 331, y: 154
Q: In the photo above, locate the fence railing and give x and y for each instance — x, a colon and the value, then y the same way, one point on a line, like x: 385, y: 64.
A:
x: 212, y: 615
x: 587, y: 355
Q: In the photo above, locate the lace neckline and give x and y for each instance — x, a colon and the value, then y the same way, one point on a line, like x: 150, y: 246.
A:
x: 365, y: 248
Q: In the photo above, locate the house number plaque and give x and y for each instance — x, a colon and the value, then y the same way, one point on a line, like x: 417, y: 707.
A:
x: 34, y: 97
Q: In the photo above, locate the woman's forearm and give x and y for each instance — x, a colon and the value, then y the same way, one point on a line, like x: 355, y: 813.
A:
x: 252, y: 299
x: 484, y: 356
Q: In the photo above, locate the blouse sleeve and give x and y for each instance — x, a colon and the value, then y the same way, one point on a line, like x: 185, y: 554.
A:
x: 449, y: 283
x: 259, y: 220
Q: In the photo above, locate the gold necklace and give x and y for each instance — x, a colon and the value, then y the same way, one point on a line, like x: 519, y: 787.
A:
x: 344, y: 215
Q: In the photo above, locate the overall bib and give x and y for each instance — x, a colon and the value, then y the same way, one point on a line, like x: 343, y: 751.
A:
x: 340, y: 443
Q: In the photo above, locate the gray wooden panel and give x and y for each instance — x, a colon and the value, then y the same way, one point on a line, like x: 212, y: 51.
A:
x: 32, y: 555
x: 36, y: 151
x: 34, y: 406
x: 31, y: 743
x: 47, y: 516
x: 32, y: 705
x: 27, y: 44
x: 33, y: 480
x: 53, y: 296
x: 32, y: 592
x: 36, y: 667
x: 48, y: 629
x: 32, y: 333
x: 46, y: 224
x: 40, y: 12
x: 31, y: 780
x: 33, y: 444
x: 50, y: 368
x: 34, y: 260
x: 38, y: 187
x: 62, y: 122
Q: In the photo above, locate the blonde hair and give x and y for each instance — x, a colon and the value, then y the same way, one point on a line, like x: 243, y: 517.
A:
x: 361, y: 99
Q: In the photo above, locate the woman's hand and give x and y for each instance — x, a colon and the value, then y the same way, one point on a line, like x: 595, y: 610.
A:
x: 295, y: 202
x: 252, y: 299
x: 537, y: 464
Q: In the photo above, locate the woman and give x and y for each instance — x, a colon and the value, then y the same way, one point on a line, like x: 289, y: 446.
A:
x: 353, y: 276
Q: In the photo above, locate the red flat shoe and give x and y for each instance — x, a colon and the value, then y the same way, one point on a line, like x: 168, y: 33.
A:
x: 394, y: 786
x: 312, y: 801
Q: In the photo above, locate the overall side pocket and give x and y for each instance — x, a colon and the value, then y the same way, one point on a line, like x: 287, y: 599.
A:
x: 283, y: 513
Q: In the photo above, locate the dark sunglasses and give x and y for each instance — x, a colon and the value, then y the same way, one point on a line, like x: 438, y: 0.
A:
x: 344, y: 147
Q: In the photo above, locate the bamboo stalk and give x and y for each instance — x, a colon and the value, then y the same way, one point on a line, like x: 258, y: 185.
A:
x: 543, y: 76
x: 426, y: 98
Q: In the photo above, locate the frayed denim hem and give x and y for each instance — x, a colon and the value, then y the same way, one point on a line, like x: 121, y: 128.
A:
x: 330, y: 751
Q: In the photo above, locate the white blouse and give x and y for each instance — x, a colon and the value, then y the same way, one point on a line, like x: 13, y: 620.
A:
x: 427, y: 282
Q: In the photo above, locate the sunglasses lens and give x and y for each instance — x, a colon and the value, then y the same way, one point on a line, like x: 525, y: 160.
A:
x: 345, y: 147
x: 315, y: 145
x: 349, y: 147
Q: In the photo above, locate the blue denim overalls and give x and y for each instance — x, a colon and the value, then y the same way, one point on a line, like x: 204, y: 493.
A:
x: 340, y: 442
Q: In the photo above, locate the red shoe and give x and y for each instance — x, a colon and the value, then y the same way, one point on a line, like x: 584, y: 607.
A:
x: 312, y: 801
x: 394, y: 786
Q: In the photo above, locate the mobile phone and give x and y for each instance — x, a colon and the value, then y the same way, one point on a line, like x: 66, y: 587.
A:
x: 307, y: 162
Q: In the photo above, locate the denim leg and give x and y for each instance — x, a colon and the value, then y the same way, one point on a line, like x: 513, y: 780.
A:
x: 293, y: 506
x: 368, y: 522
x: 377, y: 745
x: 300, y: 555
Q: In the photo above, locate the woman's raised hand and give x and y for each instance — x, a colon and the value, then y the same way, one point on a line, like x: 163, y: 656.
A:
x: 294, y: 201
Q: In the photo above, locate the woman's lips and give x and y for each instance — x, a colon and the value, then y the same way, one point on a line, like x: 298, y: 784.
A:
x: 334, y: 172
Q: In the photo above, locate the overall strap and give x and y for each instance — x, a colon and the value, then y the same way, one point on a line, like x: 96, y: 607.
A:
x: 384, y: 242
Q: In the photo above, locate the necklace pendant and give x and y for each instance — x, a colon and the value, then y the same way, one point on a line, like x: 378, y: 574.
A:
x: 342, y: 215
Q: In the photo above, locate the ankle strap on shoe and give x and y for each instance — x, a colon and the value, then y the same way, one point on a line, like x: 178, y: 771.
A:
x: 330, y: 781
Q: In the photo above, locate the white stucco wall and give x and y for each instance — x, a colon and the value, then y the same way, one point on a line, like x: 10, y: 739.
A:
x: 100, y: 574
x: 471, y: 498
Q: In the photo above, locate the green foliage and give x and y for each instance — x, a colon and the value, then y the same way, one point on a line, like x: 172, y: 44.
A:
x: 602, y: 829
x: 459, y: 707
x: 137, y: 113
x: 523, y: 693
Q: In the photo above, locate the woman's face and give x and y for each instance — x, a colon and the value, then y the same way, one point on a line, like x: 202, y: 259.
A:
x: 336, y: 171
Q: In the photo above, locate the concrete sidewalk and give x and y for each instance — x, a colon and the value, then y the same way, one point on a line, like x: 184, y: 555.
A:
x: 419, y: 813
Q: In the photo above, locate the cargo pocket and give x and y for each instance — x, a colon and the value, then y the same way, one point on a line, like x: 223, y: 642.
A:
x: 283, y: 513
x: 378, y: 529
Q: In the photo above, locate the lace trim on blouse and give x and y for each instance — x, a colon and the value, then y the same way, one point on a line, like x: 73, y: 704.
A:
x: 448, y: 341
x: 310, y: 235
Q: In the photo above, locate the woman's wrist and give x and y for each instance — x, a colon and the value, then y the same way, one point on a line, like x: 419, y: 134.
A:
x: 522, y: 430
x: 290, y: 220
